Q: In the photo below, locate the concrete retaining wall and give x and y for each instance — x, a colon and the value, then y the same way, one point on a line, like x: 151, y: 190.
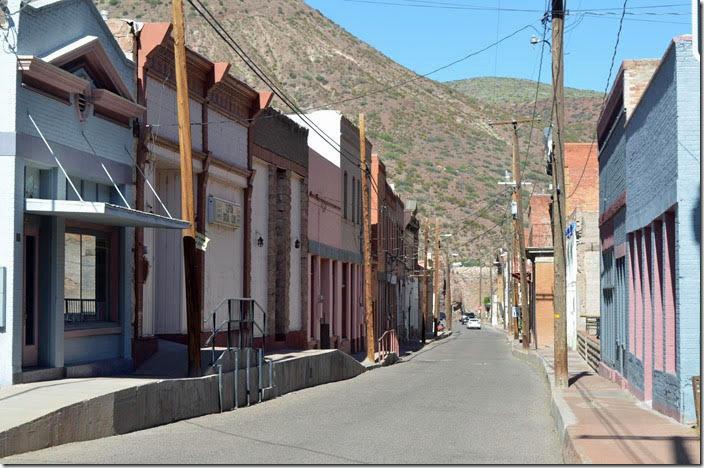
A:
x: 166, y: 401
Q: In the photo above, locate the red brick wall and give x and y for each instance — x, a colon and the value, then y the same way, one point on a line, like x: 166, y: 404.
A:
x: 540, y: 230
x: 582, y: 176
x: 544, y: 310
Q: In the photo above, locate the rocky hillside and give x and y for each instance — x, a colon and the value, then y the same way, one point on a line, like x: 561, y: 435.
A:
x: 517, y: 96
x: 434, y: 138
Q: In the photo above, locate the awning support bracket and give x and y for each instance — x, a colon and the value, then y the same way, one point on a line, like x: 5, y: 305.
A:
x: 124, y: 200
x: 148, y: 183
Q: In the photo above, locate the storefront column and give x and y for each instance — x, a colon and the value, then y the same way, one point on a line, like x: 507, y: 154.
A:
x: 51, y: 290
x: 337, y: 265
x: 126, y: 286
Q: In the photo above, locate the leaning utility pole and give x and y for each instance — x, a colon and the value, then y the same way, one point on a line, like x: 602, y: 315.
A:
x: 367, y: 240
x: 558, y: 203
x: 193, y: 316
x: 436, y: 270
x: 425, y: 283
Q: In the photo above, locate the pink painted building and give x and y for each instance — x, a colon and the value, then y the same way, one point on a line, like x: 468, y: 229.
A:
x: 336, y: 313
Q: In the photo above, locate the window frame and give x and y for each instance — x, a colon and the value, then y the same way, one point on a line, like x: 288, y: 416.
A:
x: 112, y: 236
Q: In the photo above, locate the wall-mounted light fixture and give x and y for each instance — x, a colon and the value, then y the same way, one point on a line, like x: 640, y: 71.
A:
x: 260, y: 241
x: 297, y: 244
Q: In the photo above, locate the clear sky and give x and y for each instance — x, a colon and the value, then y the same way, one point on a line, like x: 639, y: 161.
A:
x: 423, y: 35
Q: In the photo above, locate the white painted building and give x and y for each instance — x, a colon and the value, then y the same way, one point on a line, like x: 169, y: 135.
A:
x: 222, y: 111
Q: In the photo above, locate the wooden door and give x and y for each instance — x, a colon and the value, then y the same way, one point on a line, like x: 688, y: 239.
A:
x: 30, y: 298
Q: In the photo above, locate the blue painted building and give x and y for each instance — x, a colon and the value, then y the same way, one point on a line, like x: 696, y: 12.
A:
x: 650, y: 229
x: 66, y: 193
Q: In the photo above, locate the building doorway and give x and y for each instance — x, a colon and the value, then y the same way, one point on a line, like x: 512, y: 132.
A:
x: 30, y: 299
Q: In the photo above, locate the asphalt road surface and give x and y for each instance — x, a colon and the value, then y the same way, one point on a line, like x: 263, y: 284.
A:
x: 463, y: 400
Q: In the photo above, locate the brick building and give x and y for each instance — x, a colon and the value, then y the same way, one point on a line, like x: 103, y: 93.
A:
x: 582, y: 238
x: 413, y: 311
x: 388, y: 267
x: 540, y: 253
x: 650, y: 229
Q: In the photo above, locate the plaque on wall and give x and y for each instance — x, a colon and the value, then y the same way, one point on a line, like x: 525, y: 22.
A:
x: 224, y: 212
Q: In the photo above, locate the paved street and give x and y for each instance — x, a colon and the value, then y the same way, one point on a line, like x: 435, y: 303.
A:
x: 464, y: 399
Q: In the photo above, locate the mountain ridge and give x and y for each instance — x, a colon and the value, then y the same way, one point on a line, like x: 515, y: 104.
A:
x: 435, y: 140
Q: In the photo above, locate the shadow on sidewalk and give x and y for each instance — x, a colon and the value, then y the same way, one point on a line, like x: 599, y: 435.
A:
x: 572, y: 380
x: 678, y: 448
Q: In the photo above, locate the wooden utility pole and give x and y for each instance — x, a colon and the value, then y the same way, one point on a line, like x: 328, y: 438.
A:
x: 513, y: 280
x: 491, y: 291
x: 481, y: 302
x: 193, y: 315
x: 518, y: 228
x: 367, y: 240
x: 525, y: 313
x: 436, y: 270
x: 558, y: 204
x: 425, y: 283
x: 448, y: 296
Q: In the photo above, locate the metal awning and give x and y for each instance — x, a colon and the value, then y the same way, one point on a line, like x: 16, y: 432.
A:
x: 100, y: 213
x: 534, y: 252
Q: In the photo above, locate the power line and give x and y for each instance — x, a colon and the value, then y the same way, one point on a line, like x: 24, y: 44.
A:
x: 425, y: 75
x: 603, y: 102
x: 261, y: 74
x: 461, y: 6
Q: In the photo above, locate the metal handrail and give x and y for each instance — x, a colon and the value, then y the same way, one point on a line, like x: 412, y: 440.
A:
x: 393, y: 346
x: 215, y: 329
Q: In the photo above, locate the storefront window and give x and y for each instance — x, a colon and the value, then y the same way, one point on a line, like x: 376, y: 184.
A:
x: 86, y: 278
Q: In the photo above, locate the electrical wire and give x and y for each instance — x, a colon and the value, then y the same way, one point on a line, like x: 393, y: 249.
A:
x: 603, y: 102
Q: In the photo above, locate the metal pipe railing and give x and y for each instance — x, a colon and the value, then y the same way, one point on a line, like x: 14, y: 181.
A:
x: 246, y: 317
x: 387, y: 344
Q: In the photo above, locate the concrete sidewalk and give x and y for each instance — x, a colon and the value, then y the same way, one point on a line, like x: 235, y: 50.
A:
x: 44, y: 414
x: 598, y: 422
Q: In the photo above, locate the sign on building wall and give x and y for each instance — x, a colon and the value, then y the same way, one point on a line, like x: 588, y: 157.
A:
x: 224, y: 212
x: 570, y: 229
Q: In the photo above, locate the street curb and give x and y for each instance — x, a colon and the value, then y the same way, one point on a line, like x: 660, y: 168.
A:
x: 559, y: 410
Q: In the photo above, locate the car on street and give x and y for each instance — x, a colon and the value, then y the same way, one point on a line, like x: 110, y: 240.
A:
x: 474, y: 322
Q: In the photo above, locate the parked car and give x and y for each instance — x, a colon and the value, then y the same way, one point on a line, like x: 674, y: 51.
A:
x: 464, y: 318
x: 474, y: 323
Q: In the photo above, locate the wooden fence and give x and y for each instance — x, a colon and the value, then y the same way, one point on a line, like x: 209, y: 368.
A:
x: 589, y: 348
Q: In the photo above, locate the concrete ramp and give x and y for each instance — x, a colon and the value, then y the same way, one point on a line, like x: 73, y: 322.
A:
x: 73, y: 410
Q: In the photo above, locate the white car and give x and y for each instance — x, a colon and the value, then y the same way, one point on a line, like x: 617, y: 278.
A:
x: 474, y: 323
